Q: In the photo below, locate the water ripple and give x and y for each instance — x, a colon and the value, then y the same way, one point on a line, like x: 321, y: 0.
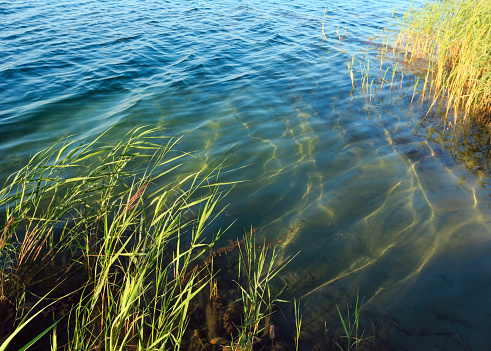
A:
x: 260, y: 81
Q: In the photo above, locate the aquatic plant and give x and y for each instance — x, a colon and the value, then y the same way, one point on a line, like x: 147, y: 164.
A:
x: 108, y: 247
x: 453, y: 40
x: 257, y: 268
x: 353, y: 337
x: 298, y: 322
x: 81, y: 250
x: 444, y: 49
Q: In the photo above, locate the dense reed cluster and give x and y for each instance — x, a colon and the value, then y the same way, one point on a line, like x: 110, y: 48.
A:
x: 453, y: 40
x: 108, y: 247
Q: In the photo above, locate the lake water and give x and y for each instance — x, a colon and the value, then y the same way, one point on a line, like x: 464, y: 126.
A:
x: 372, y: 207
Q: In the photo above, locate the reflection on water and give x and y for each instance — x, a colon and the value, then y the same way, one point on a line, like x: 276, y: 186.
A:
x: 468, y: 144
x: 400, y: 217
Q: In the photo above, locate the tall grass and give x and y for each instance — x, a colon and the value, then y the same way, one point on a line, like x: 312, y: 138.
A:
x: 453, y: 38
x: 80, y: 248
x: 257, y: 297
x: 107, y: 247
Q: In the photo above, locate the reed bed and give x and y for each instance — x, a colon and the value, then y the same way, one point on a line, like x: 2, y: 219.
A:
x: 108, y: 247
x: 453, y: 40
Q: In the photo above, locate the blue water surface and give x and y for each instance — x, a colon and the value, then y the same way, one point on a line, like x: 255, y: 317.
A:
x: 387, y: 213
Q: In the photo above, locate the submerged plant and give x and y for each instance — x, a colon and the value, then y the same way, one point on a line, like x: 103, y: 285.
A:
x: 298, y: 322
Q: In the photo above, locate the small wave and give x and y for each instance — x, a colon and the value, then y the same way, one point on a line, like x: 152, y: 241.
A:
x: 233, y: 77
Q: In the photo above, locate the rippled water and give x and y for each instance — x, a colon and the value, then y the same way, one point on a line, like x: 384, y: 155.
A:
x: 372, y: 207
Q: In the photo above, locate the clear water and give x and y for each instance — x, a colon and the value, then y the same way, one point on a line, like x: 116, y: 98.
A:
x: 382, y: 211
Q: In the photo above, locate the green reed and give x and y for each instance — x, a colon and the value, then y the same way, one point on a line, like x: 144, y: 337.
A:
x: 108, y: 246
x: 119, y: 249
x: 453, y: 40
x: 352, y: 335
x: 257, y: 268
x: 298, y: 322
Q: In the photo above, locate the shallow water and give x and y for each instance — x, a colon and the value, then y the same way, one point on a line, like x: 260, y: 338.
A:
x: 371, y: 207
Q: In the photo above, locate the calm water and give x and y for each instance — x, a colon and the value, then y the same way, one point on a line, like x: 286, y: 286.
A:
x: 387, y: 213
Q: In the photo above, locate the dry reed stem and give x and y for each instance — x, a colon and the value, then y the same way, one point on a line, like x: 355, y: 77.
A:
x: 131, y: 203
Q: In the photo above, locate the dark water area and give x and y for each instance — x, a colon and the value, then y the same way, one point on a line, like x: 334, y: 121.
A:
x: 378, y: 210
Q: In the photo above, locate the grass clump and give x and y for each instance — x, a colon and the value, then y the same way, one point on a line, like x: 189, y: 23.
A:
x: 108, y: 247
x: 94, y: 255
x: 453, y: 40
x: 353, y: 337
x: 257, y: 269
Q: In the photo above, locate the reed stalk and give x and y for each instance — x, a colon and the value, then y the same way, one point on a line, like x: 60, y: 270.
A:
x: 453, y: 40
x: 257, y: 269
x: 90, y: 241
x: 107, y: 246
x: 353, y: 337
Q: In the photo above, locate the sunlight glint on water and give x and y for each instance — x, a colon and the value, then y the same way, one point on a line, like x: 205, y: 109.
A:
x: 371, y: 207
